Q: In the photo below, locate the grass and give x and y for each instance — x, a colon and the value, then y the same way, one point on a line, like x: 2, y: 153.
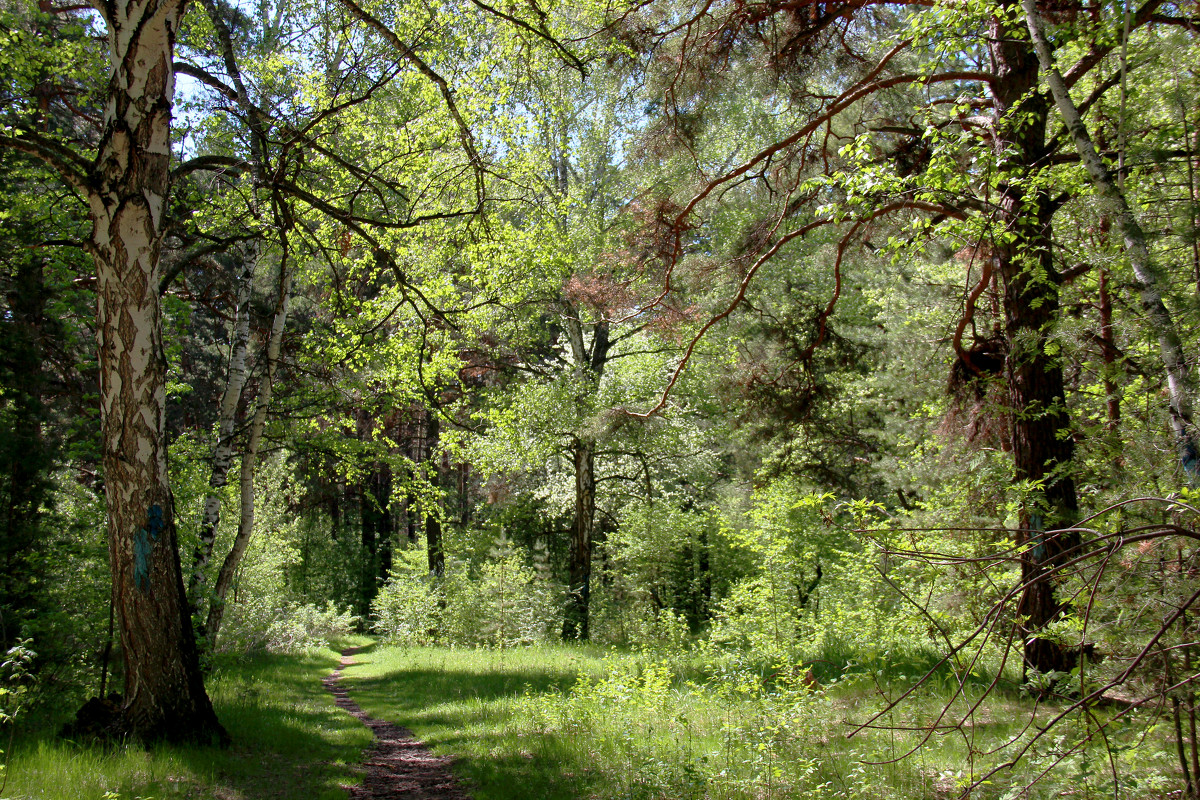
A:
x: 559, y: 722
x: 470, y: 703
x: 289, y: 741
x: 566, y: 723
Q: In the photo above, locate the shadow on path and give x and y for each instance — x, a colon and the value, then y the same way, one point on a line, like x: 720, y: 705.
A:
x: 398, y: 767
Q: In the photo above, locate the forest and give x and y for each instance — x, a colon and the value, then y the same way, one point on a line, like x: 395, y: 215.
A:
x: 634, y: 398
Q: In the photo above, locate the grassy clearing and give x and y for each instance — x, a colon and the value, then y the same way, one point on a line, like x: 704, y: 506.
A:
x: 558, y: 722
x: 290, y: 741
x: 471, y: 703
x: 562, y: 723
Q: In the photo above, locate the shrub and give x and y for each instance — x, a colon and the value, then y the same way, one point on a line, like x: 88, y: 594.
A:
x: 508, y: 603
x: 406, y: 610
x: 252, y: 626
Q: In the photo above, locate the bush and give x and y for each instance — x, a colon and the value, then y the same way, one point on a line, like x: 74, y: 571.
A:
x: 407, y: 609
x: 303, y: 627
x: 628, y: 619
x: 288, y: 628
x: 508, y: 603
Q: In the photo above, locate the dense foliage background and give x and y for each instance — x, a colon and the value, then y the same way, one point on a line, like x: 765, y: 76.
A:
x: 776, y: 339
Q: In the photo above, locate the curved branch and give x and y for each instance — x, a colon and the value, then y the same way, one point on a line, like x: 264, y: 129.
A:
x: 357, y: 223
x: 207, y: 78
x: 867, y: 86
x: 71, y: 167
x: 737, y: 300
x: 745, y: 283
x: 211, y: 164
x: 542, y: 33
x: 406, y: 52
x: 969, y: 315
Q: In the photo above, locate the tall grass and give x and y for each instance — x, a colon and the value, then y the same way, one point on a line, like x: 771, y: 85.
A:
x: 289, y: 740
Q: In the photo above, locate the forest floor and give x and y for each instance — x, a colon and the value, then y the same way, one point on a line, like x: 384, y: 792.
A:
x: 398, y: 766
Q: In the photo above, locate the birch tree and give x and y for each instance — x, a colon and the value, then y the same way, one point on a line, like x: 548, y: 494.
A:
x: 126, y: 187
x: 1180, y: 385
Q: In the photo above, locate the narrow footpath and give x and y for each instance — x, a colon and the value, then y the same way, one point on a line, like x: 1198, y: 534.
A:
x: 398, y: 766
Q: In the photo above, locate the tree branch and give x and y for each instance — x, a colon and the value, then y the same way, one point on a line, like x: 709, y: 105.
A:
x: 72, y: 167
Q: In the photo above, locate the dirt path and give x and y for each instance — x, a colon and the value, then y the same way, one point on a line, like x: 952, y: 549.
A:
x: 398, y: 766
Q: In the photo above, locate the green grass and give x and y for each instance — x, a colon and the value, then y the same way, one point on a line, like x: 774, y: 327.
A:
x: 567, y: 723
x: 289, y: 741
x: 560, y: 722
x: 472, y: 704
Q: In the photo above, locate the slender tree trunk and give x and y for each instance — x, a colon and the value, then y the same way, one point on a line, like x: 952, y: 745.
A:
x: 1042, y: 448
x: 164, y: 691
x: 376, y: 534
x: 464, y: 494
x: 410, y: 521
x: 336, y: 513
x: 579, y: 579
x: 1108, y: 355
x: 387, y: 523
x: 589, y: 368
x: 433, y: 519
x: 370, y: 545
x: 407, y: 506
x: 1179, y: 380
x: 233, y: 559
x: 223, y: 451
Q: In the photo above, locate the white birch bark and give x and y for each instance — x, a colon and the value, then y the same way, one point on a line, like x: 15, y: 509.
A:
x: 233, y: 559
x: 1179, y: 381
x: 223, y: 449
x: 127, y: 193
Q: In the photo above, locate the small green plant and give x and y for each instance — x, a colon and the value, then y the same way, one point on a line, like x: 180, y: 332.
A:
x: 16, y: 679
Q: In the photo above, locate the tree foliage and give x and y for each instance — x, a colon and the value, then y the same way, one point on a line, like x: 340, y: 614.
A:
x: 775, y: 328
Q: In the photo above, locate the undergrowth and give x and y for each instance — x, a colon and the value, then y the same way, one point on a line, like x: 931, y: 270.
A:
x: 565, y: 722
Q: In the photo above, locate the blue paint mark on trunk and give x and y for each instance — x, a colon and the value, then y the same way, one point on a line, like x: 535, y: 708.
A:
x: 143, y: 544
x: 1039, y: 537
x: 1190, y: 460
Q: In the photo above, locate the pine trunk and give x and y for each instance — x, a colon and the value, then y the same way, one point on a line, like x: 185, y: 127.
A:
x: 1042, y: 447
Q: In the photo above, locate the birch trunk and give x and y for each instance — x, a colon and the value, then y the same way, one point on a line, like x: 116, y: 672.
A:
x: 223, y: 451
x: 233, y: 559
x: 1179, y: 380
x: 128, y: 187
